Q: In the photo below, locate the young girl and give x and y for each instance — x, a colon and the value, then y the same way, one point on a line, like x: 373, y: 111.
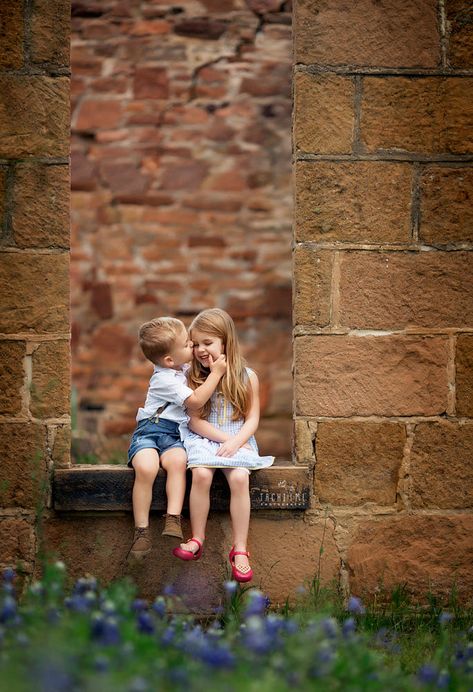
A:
x: 222, y: 437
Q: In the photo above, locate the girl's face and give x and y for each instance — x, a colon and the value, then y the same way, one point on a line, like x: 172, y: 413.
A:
x: 206, y: 345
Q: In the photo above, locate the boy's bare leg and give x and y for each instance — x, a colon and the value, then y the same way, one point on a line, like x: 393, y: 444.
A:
x: 174, y: 463
x: 146, y: 465
x: 199, y: 505
x: 240, y: 507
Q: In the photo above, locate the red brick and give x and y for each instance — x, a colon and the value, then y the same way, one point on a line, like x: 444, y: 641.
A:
x: 464, y: 375
x: 357, y: 462
x: 441, y: 472
x: 50, y: 30
x: 428, y: 115
x: 446, y: 205
x: 12, y: 376
x: 42, y: 129
x: 98, y: 114
x: 112, y: 342
x: 397, y: 290
x: 11, y: 35
x: 151, y: 83
x: 324, y: 113
x: 369, y: 32
x: 366, y: 375
x: 427, y: 554
x: 354, y: 202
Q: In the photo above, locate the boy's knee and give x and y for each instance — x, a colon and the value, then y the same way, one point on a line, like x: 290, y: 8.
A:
x: 146, y: 470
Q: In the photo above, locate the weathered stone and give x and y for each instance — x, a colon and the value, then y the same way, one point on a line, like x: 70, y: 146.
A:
x: 365, y: 375
x: 353, y: 202
x: 369, y: 32
x: 427, y: 554
x: 11, y: 35
x: 446, y: 205
x: 427, y: 115
x: 464, y: 375
x: 51, y: 380
x: 61, y: 451
x: 35, y: 292
x: 358, y: 462
x: 41, y: 129
x: 324, y: 115
x: 12, y: 376
x: 312, y: 286
x: 397, y: 290
x: 40, y: 215
x: 3, y: 184
x: 23, y: 470
x: 303, y: 442
x: 50, y: 29
x: 17, y: 541
x: 459, y: 33
x: 441, y: 471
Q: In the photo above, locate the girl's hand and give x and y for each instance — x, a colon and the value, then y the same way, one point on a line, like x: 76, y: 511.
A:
x: 229, y: 448
x: 219, y: 365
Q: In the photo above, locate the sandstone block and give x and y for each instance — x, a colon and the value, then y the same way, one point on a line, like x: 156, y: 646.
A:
x: 51, y: 380
x: 40, y: 216
x: 429, y: 554
x: 303, y: 442
x: 459, y: 34
x: 356, y: 33
x: 354, y: 202
x: 50, y: 29
x: 428, y: 115
x: 23, y: 471
x: 324, y: 113
x: 441, y: 471
x: 464, y: 375
x: 17, y: 541
x: 11, y: 35
x: 3, y: 183
x: 12, y: 376
x: 396, y: 289
x: 446, y: 205
x: 383, y: 375
x: 35, y: 293
x: 312, y: 283
x: 358, y: 462
x: 61, y: 451
x: 41, y: 129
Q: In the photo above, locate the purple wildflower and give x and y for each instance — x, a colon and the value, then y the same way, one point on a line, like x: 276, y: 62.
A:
x: 145, y: 623
x: 355, y: 606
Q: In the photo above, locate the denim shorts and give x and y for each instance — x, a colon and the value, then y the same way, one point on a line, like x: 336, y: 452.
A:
x: 160, y: 436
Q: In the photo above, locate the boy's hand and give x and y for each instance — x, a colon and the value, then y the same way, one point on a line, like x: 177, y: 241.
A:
x: 219, y: 365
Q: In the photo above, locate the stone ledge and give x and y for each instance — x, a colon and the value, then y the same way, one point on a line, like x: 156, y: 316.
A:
x: 108, y: 488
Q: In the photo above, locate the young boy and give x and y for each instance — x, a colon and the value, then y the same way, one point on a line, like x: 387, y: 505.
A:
x: 165, y: 342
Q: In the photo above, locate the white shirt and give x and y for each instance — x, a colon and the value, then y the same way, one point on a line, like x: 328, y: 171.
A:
x: 167, y: 386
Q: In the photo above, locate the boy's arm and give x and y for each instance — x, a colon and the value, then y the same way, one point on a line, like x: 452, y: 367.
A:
x: 202, y: 394
x: 249, y: 427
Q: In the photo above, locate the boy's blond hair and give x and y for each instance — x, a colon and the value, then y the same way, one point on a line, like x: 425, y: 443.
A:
x: 157, y: 337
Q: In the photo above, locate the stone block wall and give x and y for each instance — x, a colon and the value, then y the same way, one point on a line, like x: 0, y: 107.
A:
x: 34, y: 266
x: 383, y: 271
x: 181, y: 196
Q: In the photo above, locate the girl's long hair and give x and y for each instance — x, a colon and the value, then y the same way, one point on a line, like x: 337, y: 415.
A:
x: 234, y: 385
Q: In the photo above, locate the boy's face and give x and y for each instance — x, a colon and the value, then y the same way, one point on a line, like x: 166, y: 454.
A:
x: 206, y: 344
x: 181, y: 352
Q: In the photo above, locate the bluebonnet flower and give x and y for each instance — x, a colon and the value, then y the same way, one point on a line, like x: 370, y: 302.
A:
x: 50, y: 675
x: 101, y: 664
x: 330, y: 627
x: 85, y: 584
x: 8, y: 609
x: 256, y: 637
x: 427, y: 674
x: 256, y: 604
x: 8, y: 574
x: 37, y: 588
x: 108, y: 607
x: 291, y: 626
x: 159, y: 606
x: 7, y: 587
x: 77, y: 603
x: 217, y: 656
x: 231, y: 587
x: 139, y: 604
x: 145, y: 623
x: 445, y: 617
x: 443, y: 680
x: 349, y: 627
x: 105, y: 630
x: 355, y: 606
x: 168, y: 590
x: 168, y: 636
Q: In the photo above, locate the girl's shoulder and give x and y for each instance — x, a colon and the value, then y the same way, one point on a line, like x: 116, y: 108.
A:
x: 250, y: 372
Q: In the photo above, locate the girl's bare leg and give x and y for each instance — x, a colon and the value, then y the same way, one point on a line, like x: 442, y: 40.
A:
x: 174, y: 463
x: 146, y: 465
x: 240, y: 506
x: 199, y: 504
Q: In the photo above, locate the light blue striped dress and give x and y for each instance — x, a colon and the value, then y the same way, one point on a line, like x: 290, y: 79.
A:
x: 203, y: 452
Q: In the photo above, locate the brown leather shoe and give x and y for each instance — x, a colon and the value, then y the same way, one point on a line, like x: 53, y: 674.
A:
x: 141, y: 545
x: 172, y: 526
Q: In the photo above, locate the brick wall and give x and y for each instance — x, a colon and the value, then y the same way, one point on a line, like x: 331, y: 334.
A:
x: 181, y: 196
x: 34, y: 265
x: 383, y: 267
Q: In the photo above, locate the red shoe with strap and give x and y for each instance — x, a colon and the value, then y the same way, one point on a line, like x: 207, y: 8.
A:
x: 189, y: 554
x: 238, y: 575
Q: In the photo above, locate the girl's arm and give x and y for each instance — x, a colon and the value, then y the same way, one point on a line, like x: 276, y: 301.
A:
x: 205, y: 429
x: 230, y: 447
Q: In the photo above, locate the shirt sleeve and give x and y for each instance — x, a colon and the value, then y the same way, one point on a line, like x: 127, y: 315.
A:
x: 168, y: 387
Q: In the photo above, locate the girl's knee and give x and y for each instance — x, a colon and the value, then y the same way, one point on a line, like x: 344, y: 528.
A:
x: 239, y: 480
x: 202, y: 477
